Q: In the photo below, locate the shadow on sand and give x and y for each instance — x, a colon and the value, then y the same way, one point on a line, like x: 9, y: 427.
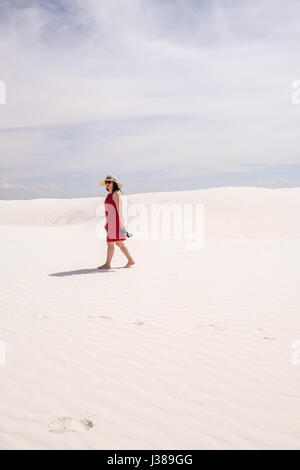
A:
x: 83, y: 271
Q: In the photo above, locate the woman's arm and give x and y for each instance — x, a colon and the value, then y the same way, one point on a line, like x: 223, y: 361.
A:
x: 118, y: 200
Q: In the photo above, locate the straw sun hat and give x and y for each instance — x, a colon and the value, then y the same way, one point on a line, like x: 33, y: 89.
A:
x: 111, y: 178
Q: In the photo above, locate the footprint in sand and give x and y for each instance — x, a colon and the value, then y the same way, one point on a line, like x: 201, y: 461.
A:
x: 139, y: 323
x: 63, y: 425
x: 262, y: 333
x: 213, y: 326
x: 217, y: 327
x: 105, y: 317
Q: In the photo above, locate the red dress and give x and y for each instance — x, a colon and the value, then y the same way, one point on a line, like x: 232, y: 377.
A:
x: 112, y: 220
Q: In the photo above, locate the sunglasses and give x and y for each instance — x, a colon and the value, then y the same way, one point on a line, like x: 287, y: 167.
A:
x: 108, y: 181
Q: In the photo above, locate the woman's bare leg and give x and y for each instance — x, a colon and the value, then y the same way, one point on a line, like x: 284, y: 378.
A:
x: 124, y: 249
x: 110, y: 252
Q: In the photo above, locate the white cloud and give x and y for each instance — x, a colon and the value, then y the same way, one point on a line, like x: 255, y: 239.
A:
x: 8, y: 185
x: 207, y: 84
x: 34, y: 187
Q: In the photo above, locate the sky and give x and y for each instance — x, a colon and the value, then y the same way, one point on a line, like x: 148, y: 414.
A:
x: 165, y: 94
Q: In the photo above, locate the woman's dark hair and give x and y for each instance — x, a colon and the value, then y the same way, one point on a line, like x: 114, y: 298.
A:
x: 115, y: 187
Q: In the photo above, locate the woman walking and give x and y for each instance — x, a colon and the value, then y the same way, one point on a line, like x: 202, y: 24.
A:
x: 114, y: 221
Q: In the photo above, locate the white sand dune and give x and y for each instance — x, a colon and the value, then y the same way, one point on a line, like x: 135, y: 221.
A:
x: 189, y: 349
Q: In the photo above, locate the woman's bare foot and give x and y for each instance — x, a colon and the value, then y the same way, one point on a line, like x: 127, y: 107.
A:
x: 104, y: 266
x: 130, y: 263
